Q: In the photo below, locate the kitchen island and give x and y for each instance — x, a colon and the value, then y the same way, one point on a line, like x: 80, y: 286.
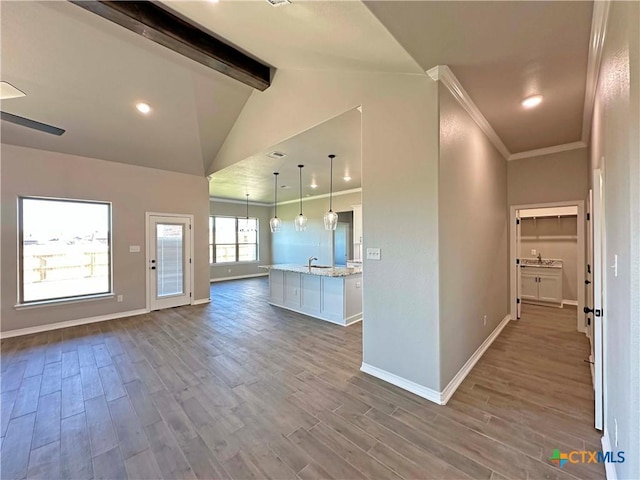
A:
x: 328, y: 293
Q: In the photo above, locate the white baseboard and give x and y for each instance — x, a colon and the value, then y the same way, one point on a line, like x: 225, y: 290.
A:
x: 201, y: 301
x: 443, y: 397
x: 71, y: 323
x: 609, y: 468
x: 420, y: 390
x: 570, y: 302
x: 353, y: 319
x: 468, y: 366
x: 239, y: 277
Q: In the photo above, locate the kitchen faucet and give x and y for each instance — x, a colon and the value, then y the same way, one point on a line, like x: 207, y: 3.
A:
x: 539, y: 258
x: 311, y: 259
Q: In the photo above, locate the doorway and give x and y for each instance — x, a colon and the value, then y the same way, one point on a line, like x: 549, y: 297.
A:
x: 169, y: 272
x: 538, y: 277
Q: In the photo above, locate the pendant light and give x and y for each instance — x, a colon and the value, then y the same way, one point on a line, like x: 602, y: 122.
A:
x: 300, y: 221
x: 331, y: 217
x: 275, y: 223
x: 247, y: 227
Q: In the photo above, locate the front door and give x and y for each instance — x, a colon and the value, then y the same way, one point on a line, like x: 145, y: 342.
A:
x: 169, y: 261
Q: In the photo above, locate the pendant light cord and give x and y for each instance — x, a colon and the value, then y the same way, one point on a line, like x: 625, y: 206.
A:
x: 331, y: 185
x: 275, y: 207
x: 300, y: 167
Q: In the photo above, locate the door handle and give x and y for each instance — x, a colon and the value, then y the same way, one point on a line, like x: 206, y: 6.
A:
x: 587, y: 282
x: 587, y: 310
x: 153, y: 268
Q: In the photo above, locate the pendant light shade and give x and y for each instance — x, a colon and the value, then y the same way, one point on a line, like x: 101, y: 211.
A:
x: 275, y: 223
x: 331, y: 217
x: 300, y: 221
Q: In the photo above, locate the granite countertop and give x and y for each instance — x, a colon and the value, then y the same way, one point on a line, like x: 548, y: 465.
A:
x: 323, y: 272
x: 546, y: 263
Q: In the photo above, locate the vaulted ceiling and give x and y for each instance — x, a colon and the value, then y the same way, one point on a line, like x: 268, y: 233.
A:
x: 85, y: 74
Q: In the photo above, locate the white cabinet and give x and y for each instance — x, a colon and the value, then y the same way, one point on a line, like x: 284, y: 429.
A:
x: 334, y: 299
x: 541, y: 285
x: 357, y: 232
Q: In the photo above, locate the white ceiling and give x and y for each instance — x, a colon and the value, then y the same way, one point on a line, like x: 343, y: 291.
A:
x: 84, y: 73
x: 339, y: 136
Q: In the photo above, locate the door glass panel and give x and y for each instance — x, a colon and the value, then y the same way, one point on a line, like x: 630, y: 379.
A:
x: 170, y: 259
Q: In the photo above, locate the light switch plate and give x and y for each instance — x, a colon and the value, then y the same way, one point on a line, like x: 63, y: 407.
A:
x: 373, y: 254
x: 534, y: 251
x: 134, y: 248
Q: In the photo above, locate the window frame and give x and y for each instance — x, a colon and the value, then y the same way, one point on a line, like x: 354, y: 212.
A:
x: 70, y: 298
x: 213, y: 244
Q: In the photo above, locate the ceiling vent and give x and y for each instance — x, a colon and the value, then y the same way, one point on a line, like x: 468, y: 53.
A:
x: 279, y: 3
x: 275, y: 154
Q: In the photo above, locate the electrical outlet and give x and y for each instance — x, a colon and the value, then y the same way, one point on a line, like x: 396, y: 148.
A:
x: 134, y: 248
x: 373, y: 254
x: 484, y: 319
x: 120, y: 298
x: 615, y: 265
x: 228, y: 270
x: 534, y: 251
x: 358, y: 284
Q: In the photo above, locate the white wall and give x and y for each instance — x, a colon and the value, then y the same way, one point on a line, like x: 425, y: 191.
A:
x: 615, y: 148
x: 400, y: 194
x: 473, y: 237
x: 290, y: 246
x: 556, y: 238
x: 263, y: 214
x: 132, y: 191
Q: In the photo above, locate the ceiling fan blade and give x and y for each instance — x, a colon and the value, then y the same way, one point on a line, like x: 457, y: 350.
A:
x: 27, y: 122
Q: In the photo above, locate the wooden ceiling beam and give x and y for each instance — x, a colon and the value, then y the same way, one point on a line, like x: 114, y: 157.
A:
x: 163, y: 27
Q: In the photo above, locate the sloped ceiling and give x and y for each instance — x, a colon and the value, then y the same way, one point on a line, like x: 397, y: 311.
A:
x: 85, y: 74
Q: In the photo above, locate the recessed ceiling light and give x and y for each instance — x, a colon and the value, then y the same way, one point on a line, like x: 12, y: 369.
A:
x: 313, y: 185
x: 532, y: 101
x: 346, y: 178
x: 276, y: 154
x: 143, y: 107
x: 9, y: 91
x: 285, y: 186
x: 213, y: 1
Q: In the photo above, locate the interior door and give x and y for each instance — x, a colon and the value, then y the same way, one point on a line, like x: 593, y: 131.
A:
x: 519, y: 280
x: 169, y: 268
x: 598, y: 294
x: 588, y: 317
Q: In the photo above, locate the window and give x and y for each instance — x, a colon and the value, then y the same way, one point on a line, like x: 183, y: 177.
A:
x: 65, y: 249
x: 233, y: 239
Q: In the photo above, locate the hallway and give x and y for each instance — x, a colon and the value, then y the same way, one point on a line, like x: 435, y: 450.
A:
x: 240, y: 389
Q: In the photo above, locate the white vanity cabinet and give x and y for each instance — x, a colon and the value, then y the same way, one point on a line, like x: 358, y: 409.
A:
x: 541, y: 285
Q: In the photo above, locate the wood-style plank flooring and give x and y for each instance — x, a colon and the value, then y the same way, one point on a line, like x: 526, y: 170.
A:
x: 239, y: 389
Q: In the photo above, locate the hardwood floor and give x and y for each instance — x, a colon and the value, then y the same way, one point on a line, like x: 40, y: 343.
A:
x: 239, y: 389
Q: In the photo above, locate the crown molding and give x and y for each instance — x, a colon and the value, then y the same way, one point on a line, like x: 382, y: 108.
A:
x: 547, y: 151
x: 239, y: 202
x: 596, y: 46
x: 444, y: 74
x: 324, y: 195
x: 305, y: 199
